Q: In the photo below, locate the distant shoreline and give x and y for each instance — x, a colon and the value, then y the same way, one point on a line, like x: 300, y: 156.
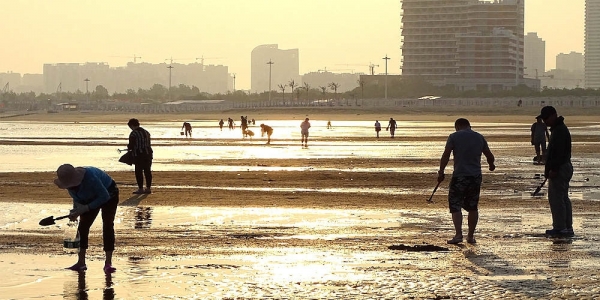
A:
x: 437, y: 113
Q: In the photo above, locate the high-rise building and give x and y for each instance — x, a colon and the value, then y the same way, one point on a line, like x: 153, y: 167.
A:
x: 468, y: 44
x: 535, y: 55
x: 572, y: 62
x: 284, y: 68
x: 592, y: 44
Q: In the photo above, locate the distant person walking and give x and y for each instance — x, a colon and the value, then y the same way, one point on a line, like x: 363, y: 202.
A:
x: 467, y: 146
x: 244, y: 121
x: 230, y: 123
x: 304, y: 126
x: 268, y: 130
x: 539, y: 134
x: 92, y: 190
x: 141, y: 148
x: 392, y: 125
x: 559, y: 171
x: 328, y: 124
x: 221, y: 123
x: 188, y: 128
x: 377, y: 127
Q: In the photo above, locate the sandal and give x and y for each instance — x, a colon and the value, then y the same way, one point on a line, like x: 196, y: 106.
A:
x: 109, y: 269
x: 455, y: 240
x: 77, y: 268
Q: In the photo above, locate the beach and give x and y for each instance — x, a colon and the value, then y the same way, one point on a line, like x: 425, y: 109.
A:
x: 351, y: 224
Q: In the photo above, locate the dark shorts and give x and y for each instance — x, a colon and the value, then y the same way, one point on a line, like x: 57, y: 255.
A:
x: 464, y: 193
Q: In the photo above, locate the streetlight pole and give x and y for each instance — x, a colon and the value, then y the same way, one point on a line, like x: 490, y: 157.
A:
x: 170, y: 67
x: 234, y: 82
x: 270, y: 63
x: 386, y: 58
x: 87, y: 91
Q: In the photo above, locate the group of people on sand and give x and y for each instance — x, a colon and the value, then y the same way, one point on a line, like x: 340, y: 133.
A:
x: 94, y: 191
x: 467, y: 146
x: 391, y: 127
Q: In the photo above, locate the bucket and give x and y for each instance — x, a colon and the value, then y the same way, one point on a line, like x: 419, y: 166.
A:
x: 71, y: 237
x: 71, y: 243
x: 182, y: 133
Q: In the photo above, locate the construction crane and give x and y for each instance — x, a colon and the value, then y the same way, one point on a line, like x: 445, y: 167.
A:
x: 370, y: 65
x: 202, y: 58
x: 134, y: 57
x: 171, y: 60
x: 325, y: 70
x: 6, y: 88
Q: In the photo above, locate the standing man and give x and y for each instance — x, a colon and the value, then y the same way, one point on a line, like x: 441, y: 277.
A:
x: 467, y: 147
x: 268, y: 130
x: 558, y: 171
x: 244, y: 121
x: 141, y: 148
x: 391, y: 127
x: 539, y: 134
x: 188, y: 129
x: 221, y: 124
x: 92, y: 190
x: 304, y: 126
x: 377, y: 127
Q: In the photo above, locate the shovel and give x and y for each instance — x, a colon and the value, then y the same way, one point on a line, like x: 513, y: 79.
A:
x: 539, y: 188
x: 50, y: 220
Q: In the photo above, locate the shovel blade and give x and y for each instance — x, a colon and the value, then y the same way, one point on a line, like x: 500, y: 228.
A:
x: 47, y: 221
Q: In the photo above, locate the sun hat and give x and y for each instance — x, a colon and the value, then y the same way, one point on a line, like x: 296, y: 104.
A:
x: 69, y: 176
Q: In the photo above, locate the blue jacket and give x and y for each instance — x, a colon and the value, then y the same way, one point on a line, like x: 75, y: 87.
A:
x: 93, y: 190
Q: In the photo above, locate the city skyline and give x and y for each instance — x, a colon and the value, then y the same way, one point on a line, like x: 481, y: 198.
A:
x: 336, y: 34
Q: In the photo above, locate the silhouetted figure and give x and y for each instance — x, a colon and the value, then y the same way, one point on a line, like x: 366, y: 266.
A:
x: 230, y: 123
x: 392, y: 127
x: 539, y: 135
x: 244, y: 121
x: 268, y: 130
x: 188, y: 128
x: 141, y: 148
x: 377, y: 127
x: 221, y: 123
x: 304, y: 126
x: 520, y: 103
x: 328, y: 124
x: 253, y: 121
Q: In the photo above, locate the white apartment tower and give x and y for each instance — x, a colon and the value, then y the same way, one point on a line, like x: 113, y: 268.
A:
x: 592, y: 44
x: 535, y: 55
x: 468, y: 44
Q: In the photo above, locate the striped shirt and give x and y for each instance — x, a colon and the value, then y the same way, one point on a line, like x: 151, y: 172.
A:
x: 139, y: 142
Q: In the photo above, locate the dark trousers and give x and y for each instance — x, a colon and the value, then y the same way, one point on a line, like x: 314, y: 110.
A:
x: 109, y: 210
x: 558, y: 197
x: 143, y: 167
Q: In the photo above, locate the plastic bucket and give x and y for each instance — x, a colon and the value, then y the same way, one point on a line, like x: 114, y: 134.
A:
x: 71, y: 243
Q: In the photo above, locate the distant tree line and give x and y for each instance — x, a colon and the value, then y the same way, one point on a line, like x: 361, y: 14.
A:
x: 397, y: 88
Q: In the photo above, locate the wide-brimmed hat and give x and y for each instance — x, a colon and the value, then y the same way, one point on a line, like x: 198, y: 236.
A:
x: 69, y: 176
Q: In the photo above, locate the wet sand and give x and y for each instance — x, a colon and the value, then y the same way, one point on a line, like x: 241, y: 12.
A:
x: 512, y: 259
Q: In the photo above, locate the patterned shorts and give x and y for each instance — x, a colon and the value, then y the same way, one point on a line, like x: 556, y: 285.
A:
x: 464, y: 193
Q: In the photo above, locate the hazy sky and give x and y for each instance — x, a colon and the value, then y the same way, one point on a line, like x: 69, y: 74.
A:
x: 328, y: 33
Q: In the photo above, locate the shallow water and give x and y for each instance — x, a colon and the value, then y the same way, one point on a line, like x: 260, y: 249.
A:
x: 363, y: 270
x: 511, y: 260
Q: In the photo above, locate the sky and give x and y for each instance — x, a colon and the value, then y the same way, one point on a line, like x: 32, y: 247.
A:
x: 340, y: 35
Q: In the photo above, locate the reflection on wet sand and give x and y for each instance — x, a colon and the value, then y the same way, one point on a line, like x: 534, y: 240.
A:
x: 79, y: 290
x: 143, y: 217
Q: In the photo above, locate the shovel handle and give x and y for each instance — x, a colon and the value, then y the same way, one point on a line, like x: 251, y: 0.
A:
x: 61, y: 217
